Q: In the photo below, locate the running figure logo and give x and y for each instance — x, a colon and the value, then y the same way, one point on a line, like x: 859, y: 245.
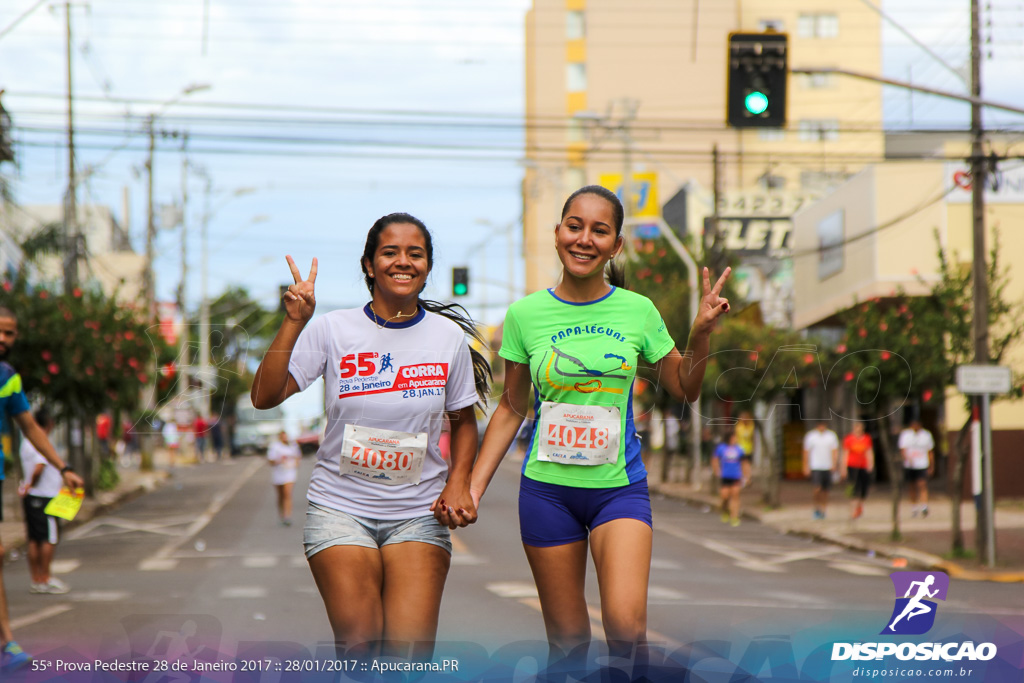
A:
x: 385, y: 363
x: 914, y: 613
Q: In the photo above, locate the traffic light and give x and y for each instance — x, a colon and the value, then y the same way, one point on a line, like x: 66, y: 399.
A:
x: 460, y: 281
x: 758, y: 70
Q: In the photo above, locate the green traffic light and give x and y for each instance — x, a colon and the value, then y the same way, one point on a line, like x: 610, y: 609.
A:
x: 756, y: 102
x: 460, y: 289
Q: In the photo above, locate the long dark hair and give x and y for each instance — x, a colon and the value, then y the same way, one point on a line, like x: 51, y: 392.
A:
x: 616, y: 271
x: 454, y: 312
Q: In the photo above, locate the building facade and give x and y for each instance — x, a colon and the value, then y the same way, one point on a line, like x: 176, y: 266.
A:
x: 638, y: 90
x: 876, y: 235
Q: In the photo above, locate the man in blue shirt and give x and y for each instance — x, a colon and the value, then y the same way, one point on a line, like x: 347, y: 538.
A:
x: 14, y: 404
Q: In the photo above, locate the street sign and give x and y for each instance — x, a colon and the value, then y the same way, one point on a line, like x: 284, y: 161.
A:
x: 983, y: 379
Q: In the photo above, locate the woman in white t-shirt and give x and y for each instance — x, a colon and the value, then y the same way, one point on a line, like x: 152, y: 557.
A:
x: 283, y: 456
x: 392, y: 370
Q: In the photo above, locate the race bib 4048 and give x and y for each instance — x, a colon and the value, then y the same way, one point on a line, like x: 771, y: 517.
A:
x: 382, y: 456
x: 578, y: 435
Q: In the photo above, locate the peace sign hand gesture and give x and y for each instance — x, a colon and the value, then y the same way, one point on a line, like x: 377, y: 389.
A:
x: 712, y: 304
x: 299, y: 300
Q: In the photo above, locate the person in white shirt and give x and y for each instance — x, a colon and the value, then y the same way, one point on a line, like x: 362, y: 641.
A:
x: 283, y: 456
x: 393, y: 369
x: 918, y: 450
x: 42, y: 483
x: 821, y: 460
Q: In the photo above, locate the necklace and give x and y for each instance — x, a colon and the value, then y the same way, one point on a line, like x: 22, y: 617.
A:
x: 387, y: 320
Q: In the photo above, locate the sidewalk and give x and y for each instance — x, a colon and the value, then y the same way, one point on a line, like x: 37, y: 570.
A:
x: 926, y: 542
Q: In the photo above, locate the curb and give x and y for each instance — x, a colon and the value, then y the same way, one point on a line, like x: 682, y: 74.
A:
x: 917, y: 558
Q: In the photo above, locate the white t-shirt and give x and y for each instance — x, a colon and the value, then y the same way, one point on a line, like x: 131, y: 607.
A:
x: 397, y: 379
x: 285, y: 457
x: 915, y: 447
x: 50, y: 481
x: 819, y: 446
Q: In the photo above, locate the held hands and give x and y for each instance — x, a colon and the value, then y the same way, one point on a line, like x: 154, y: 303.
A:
x: 299, y: 301
x: 455, y: 507
x: 712, y: 304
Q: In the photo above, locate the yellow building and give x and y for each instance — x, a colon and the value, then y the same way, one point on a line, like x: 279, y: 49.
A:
x: 612, y: 85
x: 881, y: 228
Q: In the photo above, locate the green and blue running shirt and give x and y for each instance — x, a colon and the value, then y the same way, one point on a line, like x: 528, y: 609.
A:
x: 12, y: 400
x: 583, y: 359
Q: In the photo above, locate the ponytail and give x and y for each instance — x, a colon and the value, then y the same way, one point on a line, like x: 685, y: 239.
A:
x: 617, y: 274
x: 481, y: 368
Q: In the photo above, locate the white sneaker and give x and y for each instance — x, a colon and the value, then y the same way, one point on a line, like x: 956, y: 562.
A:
x: 38, y: 588
x: 55, y: 586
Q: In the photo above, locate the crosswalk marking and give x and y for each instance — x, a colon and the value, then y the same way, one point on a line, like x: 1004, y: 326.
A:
x: 157, y: 565
x: 98, y: 596
x: 64, y: 566
x: 259, y: 561
x: 36, y: 617
x: 662, y: 593
x: 769, y: 559
x: 513, y: 589
x: 244, y: 592
x: 858, y: 568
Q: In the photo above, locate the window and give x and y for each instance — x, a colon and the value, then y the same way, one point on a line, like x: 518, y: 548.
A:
x: 575, y: 25
x: 817, y: 26
x: 576, y: 77
x: 818, y: 130
x: 831, y: 232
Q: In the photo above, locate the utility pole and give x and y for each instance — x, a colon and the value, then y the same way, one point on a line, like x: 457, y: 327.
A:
x: 149, y: 284
x: 204, y: 307
x: 185, y: 355
x: 71, y: 204
x: 979, y: 275
x: 76, y: 453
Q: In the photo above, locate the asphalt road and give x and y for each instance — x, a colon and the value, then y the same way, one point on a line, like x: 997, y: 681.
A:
x: 201, y: 567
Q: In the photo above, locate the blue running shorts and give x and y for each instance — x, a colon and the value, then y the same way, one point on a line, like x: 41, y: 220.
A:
x: 551, y: 514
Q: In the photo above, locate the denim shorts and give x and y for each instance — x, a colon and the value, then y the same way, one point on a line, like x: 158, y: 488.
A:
x: 326, y: 527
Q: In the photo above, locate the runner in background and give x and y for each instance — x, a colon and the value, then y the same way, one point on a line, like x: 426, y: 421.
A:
x: 821, y: 463
x: 584, y: 483
x: 283, y: 454
x: 732, y: 466
x: 745, y: 433
x: 918, y: 450
x: 377, y: 554
x: 858, y: 464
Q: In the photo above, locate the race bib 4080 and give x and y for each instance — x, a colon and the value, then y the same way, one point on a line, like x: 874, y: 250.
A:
x: 578, y: 435
x: 382, y: 456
